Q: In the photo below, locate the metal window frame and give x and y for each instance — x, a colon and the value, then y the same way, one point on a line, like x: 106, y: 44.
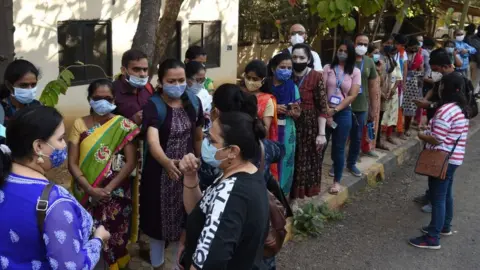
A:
x: 109, y: 61
x: 219, y: 22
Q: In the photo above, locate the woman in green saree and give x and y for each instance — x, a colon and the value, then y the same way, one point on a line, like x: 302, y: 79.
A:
x: 101, y: 158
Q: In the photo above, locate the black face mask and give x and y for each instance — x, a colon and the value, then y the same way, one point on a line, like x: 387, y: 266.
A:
x: 299, y: 67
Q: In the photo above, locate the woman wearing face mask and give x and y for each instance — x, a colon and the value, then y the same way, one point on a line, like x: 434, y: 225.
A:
x: 226, y: 227
x: 19, y: 89
x: 374, y: 53
x: 255, y: 76
x: 412, y: 90
x: 449, y: 45
x: 310, y: 124
x: 58, y: 234
x: 342, y: 80
x: 288, y: 98
x: 101, y: 179
x: 392, y: 78
x: 173, y: 122
x: 195, y: 72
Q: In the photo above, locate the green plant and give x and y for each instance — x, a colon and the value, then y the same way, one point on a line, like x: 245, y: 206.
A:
x: 59, y: 86
x: 309, y: 220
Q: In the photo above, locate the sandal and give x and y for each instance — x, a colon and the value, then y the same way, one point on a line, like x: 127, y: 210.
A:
x: 383, y: 147
x: 403, y: 137
x: 408, y: 133
x: 334, y: 189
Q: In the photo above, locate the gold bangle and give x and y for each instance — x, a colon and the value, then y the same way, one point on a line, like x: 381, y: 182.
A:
x: 193, y: 186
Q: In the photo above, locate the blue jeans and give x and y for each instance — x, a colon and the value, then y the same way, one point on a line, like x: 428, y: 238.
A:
x: 440, y: 193
x: 343, y: 119
x: 359, y: 120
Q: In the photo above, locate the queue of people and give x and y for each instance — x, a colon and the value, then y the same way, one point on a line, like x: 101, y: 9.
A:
x: 200, y: 171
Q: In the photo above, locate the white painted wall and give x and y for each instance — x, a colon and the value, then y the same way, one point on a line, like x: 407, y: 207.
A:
x: 36, y: 36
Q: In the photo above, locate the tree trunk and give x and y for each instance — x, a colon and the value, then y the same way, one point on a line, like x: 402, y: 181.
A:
x: 379, y: 21
x: 165, y: 30
x: 144, y: 39
x: 466, y: 3
x: 398, y: 24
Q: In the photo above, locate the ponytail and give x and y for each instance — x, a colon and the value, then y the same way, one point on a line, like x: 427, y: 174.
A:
x: 5, y: 163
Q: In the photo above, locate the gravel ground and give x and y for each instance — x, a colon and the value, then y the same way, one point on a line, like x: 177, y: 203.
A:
x: 379, y: 221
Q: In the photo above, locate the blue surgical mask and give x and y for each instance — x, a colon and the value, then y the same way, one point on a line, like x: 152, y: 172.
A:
x: 208, y: 154
x: 450, y: 49
x: 57, y: 157
x: 196, y: 87
x: 420, y: 43
x: 376, y: 57
x: 174, y: 90
x: 342, y: 56
x: 137, y: 82
x: 25, y: 96
x: 283, y: 74
x: 102, y: 106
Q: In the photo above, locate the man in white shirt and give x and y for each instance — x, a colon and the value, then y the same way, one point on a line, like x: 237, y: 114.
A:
x: 298, y: 34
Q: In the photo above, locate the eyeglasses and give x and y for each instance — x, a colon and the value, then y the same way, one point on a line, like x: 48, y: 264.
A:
x: 301, y: 33
x: 362, y: 44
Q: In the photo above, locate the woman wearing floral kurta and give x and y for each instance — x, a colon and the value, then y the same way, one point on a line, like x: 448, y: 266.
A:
x: 310, y: 125
x: 64, y: 241
x: 98, y: 143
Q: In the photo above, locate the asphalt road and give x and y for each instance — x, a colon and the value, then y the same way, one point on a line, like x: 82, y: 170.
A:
x: 379, y: 221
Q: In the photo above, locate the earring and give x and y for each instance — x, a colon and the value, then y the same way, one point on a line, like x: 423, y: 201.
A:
x: 40, y: 159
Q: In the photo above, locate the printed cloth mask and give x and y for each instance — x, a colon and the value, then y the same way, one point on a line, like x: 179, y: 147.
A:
x: 174, y: 91
x: 450, y: 49
x: 25, y: 96
x: 376, y: 57
x: 196, y: 87
x: 102, y: 106
x: 253, y: 86
x: 57, y: 157
x: 137, y: 82
x: 208, y: 154
x: 361, y: 50
x: 460, y: 38
x: 296, y: 39
x: 299, y: 67
x: 283, y: 74
x: 342, y: 56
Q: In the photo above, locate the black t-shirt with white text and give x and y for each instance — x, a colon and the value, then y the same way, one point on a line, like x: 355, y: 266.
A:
x: 228, y: 226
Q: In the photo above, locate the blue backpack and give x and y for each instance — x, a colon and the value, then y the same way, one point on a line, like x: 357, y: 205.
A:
x: 162, y: 113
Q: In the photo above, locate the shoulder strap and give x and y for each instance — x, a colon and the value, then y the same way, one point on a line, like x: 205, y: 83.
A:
x: 149, y: 88
x: 195, y: 102
x: 42, y: 206
x: 161, y: 108
x: 262, y: 157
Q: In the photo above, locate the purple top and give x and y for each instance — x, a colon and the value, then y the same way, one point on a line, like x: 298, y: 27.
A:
x: 129, y: 103
x: 330, y: 80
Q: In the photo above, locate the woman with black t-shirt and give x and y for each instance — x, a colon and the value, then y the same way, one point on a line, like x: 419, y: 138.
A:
x: 226, y: 228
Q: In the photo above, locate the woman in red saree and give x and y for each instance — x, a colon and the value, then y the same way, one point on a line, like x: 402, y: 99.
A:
x: 101, y: 159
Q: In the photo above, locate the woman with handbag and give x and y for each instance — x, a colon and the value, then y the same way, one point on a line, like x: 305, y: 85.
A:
x: 445, y: 144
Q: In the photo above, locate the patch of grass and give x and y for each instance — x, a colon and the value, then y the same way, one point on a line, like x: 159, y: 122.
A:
x: 309, y: 220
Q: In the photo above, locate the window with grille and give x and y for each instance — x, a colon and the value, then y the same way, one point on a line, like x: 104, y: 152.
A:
x: 208, y: 36
x: 88, y: 42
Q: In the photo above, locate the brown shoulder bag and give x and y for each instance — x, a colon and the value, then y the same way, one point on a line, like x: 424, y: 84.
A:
x: 276, y: 232
x: 434, y: 163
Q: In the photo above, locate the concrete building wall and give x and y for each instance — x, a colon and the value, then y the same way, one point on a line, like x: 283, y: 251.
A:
x: 36, y: 36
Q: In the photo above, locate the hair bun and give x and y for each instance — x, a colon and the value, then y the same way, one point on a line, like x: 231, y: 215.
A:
x: 259, y: 129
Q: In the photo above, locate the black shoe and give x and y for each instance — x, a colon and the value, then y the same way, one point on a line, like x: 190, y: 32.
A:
x: 422, y: 199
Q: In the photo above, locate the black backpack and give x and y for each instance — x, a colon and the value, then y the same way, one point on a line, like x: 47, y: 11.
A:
x: 472, y: 108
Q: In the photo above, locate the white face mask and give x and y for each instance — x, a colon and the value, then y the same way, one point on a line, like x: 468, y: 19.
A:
x: 361, y: 50
x: 460, y: 38
x: 296, y: 39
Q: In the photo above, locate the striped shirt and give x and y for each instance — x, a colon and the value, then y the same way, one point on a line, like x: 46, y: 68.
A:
x: 447, y: 126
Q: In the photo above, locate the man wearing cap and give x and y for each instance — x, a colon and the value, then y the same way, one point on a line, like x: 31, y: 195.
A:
x: 298, y: 34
